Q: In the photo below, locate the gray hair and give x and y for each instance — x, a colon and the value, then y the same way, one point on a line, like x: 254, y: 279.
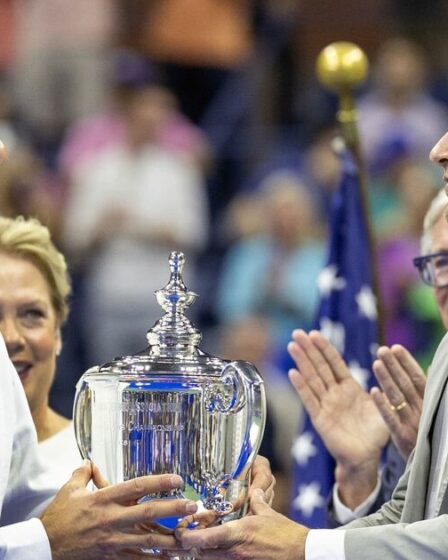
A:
x: 432, y: 216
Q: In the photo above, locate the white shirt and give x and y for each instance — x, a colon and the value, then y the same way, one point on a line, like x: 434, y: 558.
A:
x: 344, y: 514
x: 61, y: 457
x: 19, y: 500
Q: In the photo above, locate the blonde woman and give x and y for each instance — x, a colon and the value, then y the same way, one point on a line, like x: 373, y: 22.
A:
x: 34, y: 287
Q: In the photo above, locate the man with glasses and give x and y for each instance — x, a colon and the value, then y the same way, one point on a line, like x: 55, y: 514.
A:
x: 414, y: 522
x: 361, y: 424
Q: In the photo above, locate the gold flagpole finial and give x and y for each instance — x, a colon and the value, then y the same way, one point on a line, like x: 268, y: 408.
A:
x: 341, y: 67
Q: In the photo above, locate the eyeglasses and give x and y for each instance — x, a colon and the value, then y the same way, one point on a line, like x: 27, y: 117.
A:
x: 433, y: 269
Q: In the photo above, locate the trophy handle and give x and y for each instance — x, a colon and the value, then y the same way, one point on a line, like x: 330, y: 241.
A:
x: 251, y: 393
x: 83, y: 418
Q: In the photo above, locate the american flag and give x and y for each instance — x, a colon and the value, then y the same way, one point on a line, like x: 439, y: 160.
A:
x: 347, y: 316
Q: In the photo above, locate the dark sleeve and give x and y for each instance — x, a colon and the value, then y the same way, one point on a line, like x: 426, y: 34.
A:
x: 393, y: 469
x: 267, y: 448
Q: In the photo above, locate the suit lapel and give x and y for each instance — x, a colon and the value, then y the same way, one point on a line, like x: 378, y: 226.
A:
x: 444, y: 505
x: 416, y: 493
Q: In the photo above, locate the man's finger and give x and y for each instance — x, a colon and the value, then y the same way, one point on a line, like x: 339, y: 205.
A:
x: 382, y: 403
x: 81, y: 476
x: 222, y: 536
x: 200, y: 520
x: 269, y: 493
x: 258, y: 504
x: 309, y: 399
x: 3, y: 153
x: 98, y: 478
x: 316, y: 357
x: 411, y: 367
x: 400, y: 376
x: 337, y: 364
x: 143, y: 540
x: 136, y: 488
x: 155, y: 509
x: 262, y: 476
x: 307, y: 368
x: 387, y: 382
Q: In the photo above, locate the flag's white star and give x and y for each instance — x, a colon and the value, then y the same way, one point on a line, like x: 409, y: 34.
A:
x: 308, y: 498
x: 303, y: 448
x: 360, y: 374
x: 334, y: 332
x: 328, y: 280
x: 366, y: 301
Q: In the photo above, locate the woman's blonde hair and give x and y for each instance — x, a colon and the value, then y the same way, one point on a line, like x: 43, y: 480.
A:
x: 29, y: 239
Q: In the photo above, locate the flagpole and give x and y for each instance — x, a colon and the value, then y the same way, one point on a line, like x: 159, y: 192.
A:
x: 341, y: 67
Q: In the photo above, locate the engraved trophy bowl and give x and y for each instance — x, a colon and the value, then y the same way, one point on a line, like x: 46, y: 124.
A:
x: 173, y: 408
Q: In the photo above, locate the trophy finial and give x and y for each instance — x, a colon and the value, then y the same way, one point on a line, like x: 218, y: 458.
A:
x: 342, y: 65
x: 175, y: 293
x: 174, y: 329
x: 176, y: 261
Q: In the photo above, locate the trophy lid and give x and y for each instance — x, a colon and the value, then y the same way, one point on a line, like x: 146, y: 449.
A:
x: 174, y: 332
x: 173, y: 340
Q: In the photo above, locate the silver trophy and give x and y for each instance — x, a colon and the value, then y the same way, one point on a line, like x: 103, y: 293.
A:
x: 175, y: 409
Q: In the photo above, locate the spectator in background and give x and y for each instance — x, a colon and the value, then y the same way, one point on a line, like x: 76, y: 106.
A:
x: 6, y: 36
x: 398, y: 114
x: 126, y: 211
x: 61, y: 65
x: 322, y: 167
x: 28, y: 188
x: 273, y: 273
x: 8, y: 128
x: 410, y: 317
x: 89, y: 136
x: 196, y: 45
x: 414, y: 182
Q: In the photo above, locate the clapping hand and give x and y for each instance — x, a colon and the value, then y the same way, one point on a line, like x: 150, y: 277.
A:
x: 342, y: 412
x: 400, y: 403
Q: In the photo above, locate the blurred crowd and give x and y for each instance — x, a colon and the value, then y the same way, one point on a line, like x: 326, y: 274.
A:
x: 136, y: 128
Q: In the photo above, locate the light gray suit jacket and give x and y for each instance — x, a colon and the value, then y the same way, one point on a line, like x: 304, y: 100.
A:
x: 398, y: 530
